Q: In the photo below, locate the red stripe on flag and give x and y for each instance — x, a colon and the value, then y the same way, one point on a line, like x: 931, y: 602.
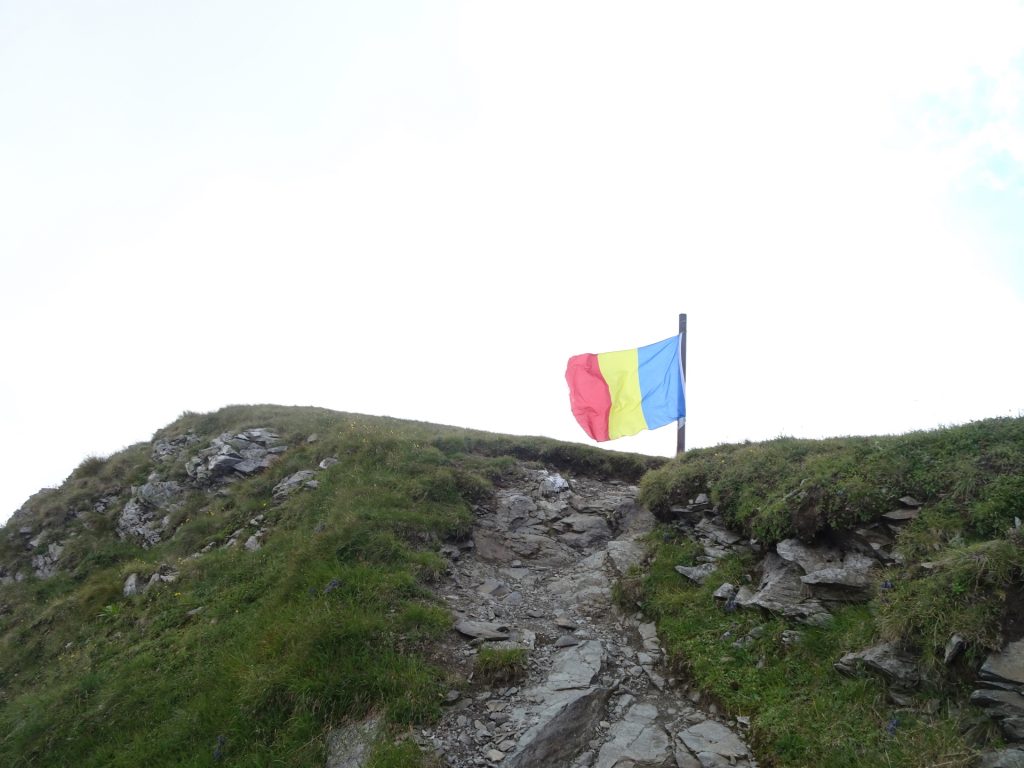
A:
x: 589, y: 396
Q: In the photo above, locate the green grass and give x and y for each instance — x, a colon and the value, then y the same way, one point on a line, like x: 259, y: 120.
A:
x: 500, y: 665
x: 791, y: 487
x: 254, y: 655
x: 962, y: 592
x: 803, y: 713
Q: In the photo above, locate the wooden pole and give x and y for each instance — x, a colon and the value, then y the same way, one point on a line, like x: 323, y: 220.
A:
x: 681, y: 433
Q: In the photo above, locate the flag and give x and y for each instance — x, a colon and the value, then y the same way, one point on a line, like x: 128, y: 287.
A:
x: 614, y: 394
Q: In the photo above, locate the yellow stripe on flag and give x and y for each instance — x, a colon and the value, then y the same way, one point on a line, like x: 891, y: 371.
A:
x: 621, y: 371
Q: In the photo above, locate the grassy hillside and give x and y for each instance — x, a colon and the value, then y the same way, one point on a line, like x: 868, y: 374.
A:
x: 248, y: 657
x: 960, y: 572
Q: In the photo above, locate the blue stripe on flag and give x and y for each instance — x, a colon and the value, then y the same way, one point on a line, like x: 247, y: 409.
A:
x: 661, y: 383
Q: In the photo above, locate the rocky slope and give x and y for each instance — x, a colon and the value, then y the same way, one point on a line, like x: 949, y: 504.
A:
x: 538, y: 574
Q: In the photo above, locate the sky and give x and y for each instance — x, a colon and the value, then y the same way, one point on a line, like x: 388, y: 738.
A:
x: 423, y: 209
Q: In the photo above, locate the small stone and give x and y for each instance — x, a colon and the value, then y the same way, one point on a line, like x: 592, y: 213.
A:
x: 656, y: 680
x: 953, y: 649
x: 724, y: 592
x: 566, y: 641
x: 493, y: 587
x: 495, y: 756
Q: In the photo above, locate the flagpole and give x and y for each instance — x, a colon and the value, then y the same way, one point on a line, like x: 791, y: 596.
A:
x: 681, y: 432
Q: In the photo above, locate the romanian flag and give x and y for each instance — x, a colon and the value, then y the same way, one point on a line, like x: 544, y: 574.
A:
x: 614, y: 394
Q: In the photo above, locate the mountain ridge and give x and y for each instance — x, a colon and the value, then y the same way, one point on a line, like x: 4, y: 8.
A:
x: 252, y: 579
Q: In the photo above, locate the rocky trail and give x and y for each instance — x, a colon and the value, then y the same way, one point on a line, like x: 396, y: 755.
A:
x: 538, y: 574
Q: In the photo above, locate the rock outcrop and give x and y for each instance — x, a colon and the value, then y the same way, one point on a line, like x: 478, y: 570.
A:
x: 229, y: 457
x: 146, y: 515
x: 1001, y: 690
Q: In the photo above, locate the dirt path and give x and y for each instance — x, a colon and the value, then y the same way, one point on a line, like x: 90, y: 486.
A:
x: 538, y: 575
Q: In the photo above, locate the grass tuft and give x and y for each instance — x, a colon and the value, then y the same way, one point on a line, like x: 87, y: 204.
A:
x: 500, y: 665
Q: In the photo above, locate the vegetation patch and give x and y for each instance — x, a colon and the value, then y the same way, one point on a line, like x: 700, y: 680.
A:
x: 802, y: 713
x: 791, y: 487
x: 499, y: 665
x: 962, y: 592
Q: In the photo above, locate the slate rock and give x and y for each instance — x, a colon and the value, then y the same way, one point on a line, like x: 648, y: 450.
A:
x: 484, y: 630
x: 587, y: 585
x: 301, y: 479
x: 45, y: 564
x: 503, y: 547
x: 514, y: 511
x: 577, y: 666
x: 851, y: 585
x: 725, y: 592
x: 248, y: 467
x: 885, y: 659
x: 780, y: 591
x: 1006, y: 707
x: 1003, y: 758
x: 493, y: 587
x: 564, y: 725
x: 900, y: 516
x: 624, y: 554
x: 1005, y: 666
x: 723, y: 536
x: 697, y: 573
x: 350, y: 745
x: 954, y: 647
x: 143, y: 517
x: 584, y: 531
x: 713, y: 743
x: 131, y: 585
x: 637, y: 740
x: 553, y: 484
x: 810, y: 557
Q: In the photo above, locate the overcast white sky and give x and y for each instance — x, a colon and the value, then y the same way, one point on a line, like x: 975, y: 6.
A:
x: 423, y: 209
